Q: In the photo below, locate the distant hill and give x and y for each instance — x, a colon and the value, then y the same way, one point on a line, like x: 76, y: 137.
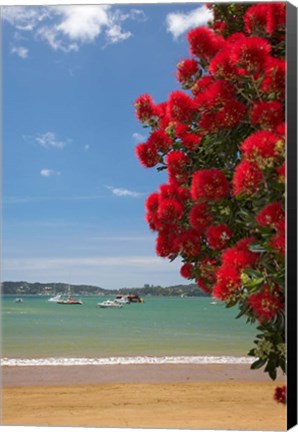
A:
x: 25, y: 288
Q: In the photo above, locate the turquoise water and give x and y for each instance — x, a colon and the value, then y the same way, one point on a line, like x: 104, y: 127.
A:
x: 159, y: 327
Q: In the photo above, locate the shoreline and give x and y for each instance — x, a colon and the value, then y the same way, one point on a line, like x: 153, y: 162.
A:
x: 179, y: 396
x: 14, y: 376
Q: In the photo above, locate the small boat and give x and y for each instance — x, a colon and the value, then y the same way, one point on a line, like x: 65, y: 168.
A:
x: 19, y: 300
x: 56, y: 298
x: 213, y: 302
x: 70, y: 301
x: 122, y: 300
x: 110, y: 304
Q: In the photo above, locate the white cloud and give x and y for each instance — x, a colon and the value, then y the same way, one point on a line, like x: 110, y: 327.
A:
x: 66, y: 28
x: 49, y: 139
x: 138, y: 137
x: 121, y: 192
x: 49, y: 173
x: 20, y: 51
x: 178, y: 23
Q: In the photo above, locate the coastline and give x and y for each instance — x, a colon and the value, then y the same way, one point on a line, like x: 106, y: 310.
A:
x: 194, y: 396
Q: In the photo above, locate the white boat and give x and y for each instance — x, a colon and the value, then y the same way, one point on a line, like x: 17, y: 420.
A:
x: 19, y: 300
x: 109, y: 304
x: 213, y: 302
x: 55, y: 298
x: 122, y: 300
x: 70, y: 301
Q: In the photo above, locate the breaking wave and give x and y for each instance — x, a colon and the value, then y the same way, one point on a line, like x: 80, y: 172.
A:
x: 75, y: 361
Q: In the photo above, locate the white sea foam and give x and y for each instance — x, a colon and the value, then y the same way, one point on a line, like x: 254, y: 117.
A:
x: 75, y: 361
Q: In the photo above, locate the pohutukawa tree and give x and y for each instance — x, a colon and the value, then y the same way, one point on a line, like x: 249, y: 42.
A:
x: 222, y: 141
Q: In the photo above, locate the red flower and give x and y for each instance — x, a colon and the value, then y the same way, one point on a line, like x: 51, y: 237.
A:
x: 255, y: 19
x: 202, y: 84
x: 160, y: 140
x: 260, y: 145
x: 209, y: 183
x: 186, y: 70
x: 189, y: 243
x: 152, y: 202
x: 191, y: 141
x: 165, y: 242
x: 263, y: 18
x: 186, y: 270
x: 200, y: 217
x: 280, y: 394
x: 218, y: 236
x: 274, y: 81
x: 147, y: 155
x: 145, y: 108
x: 204, y: 42
x: 228, y: 284
x: 181, y: 130
x: 281, y: 172
x: 267, y: 114
x: 278, y: 241
x: 247, y: 178
x: 181, y: 107
x: 177, y: 161
x: 240, y: 256
x: 265, y: 304
x: 208, y: 269
x: 221, y: 66
x: 270, y: 215
x: 250, y: 54
x: 170, y: 210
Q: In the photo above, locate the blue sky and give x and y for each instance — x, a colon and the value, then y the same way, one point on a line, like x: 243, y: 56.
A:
x: 73, y: 190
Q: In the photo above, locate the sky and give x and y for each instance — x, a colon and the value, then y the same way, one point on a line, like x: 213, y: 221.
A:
x: 73, y: 190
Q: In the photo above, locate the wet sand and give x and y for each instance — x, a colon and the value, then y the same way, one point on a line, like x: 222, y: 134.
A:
x: 142, y: 396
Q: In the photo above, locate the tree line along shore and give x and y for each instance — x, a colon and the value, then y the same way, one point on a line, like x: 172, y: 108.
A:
x: 37, y: 288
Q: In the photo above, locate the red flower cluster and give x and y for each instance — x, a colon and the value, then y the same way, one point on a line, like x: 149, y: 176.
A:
x: 271, y: 215
x: 267, y: 114
x: 210, y: 184
x: 218, y: 106
x: 280, y: 394
x: 265, y: 18
x: 181, y: 107
x: 266, y: 303
x: 187, y: 270
x: 261, y: 147
x: 204, y: 43
x: 218, y: 236
x: 160, y: 140
x: 278, y: 241
x: 145, y: 108
x: 247, y: 178
x: 186, y: 70
x: 274, y: 79
x: 227, y: 134
x: 250, y: 55
x: 228, y: 277
x: 147, y: 154
x: 178, y: 166
x: 200, y: 217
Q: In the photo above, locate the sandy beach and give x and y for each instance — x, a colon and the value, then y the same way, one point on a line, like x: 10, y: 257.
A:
x: 142, y: 396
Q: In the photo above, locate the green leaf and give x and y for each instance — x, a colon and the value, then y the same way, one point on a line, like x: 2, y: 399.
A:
x: 256, y: 247
x: 258, y: 364
x: 254, y: 282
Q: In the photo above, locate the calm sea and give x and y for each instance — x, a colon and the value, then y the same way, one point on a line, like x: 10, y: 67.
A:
x: 160, y: 329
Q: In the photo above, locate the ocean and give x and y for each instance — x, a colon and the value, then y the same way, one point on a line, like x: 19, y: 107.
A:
x: 162, y: 329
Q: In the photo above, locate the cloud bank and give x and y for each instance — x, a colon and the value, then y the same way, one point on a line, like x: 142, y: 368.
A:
x: 67, y: 28
x: 179, y: 23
